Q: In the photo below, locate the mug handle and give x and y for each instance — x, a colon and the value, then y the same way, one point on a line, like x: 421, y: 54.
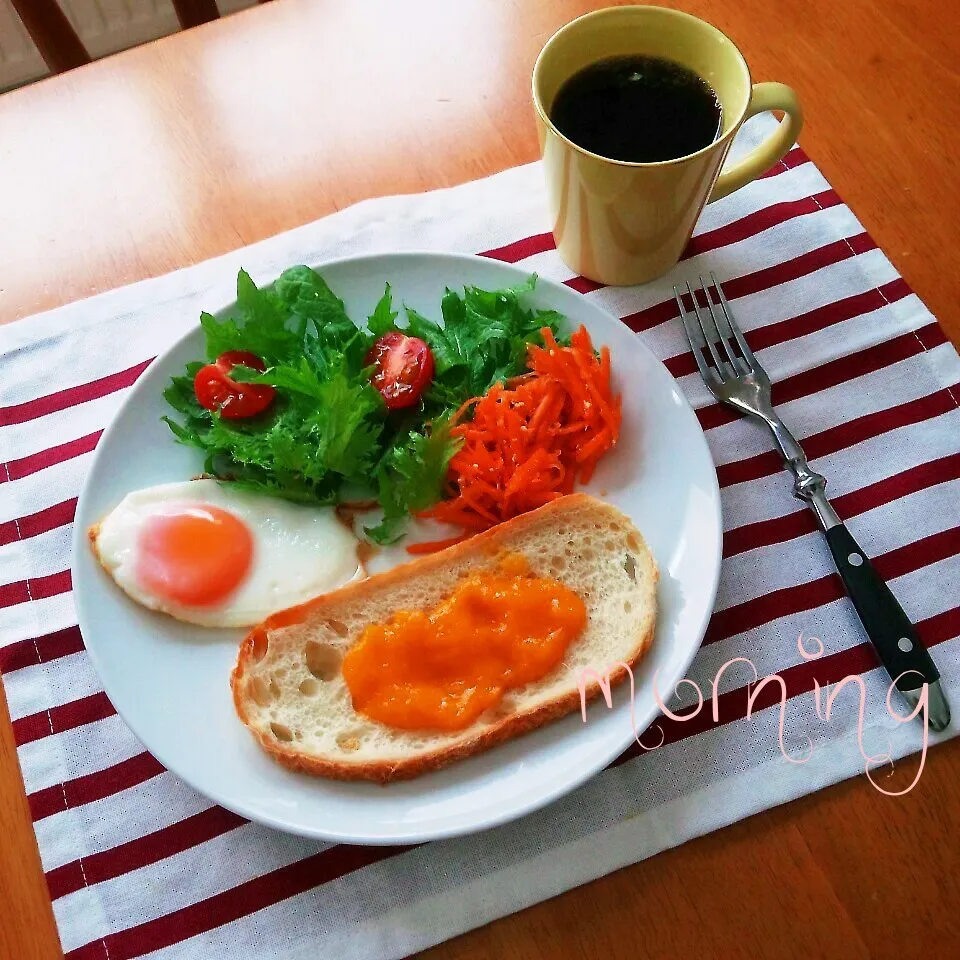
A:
x: 764, y: 97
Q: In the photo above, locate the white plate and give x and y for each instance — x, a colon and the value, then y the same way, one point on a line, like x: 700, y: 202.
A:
x: 169, y: 681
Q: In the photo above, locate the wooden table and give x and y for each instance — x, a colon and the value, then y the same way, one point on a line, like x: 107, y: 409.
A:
x: 213, y: 139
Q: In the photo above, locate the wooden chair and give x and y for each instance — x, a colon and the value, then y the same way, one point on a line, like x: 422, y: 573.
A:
x: 191, y: 13
x: 62, y: 49
x: 53, y: 34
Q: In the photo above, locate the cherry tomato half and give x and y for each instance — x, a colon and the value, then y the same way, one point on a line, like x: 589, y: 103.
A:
x: 403, y: 368
x: 216, y: 390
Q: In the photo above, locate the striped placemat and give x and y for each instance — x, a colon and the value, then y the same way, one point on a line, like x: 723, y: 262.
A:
x: 138, y: 863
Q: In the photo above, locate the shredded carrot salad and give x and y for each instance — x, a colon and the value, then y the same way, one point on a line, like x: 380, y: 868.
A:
x: 531, y: 439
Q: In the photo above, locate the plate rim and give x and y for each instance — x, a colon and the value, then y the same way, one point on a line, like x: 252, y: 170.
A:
x: 417, y: 834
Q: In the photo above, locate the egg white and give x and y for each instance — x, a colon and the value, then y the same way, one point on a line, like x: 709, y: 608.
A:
x: 299, y: 551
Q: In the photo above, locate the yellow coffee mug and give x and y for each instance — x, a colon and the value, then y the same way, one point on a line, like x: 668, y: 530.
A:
x: 622, y: 223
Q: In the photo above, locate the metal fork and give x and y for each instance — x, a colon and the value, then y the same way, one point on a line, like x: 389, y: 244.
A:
x: 735, y: 377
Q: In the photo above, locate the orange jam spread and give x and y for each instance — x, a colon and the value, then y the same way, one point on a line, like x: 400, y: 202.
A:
x: 440, y: 669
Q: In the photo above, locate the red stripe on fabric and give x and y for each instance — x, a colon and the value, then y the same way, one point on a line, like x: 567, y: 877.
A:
x: 861, y: 243
x: 765, y: 533
x: 798, y: 679
x: 76, y: 713
x: 28, y: 729
x: 758, y: 221
x: 18, y: 469
x: 843, y: 436
x: 93, y: 786
x: 42, y: 521
x: 37, y: 588
x: 835, y: 372
x: 247, y: 898
x: 29, y: 653
x: 51, y: 586
x: 806, y: 323
x: 94, y: 950
x: 9, y: 532
x: 65, y: 717
x: 71, y: 396
x: 13, y: 593
x: 90, y: 951
x: 794, y: 158
x: 764, y: 279
x: 583, y: 285
x: 142, y: 851
x: 522, y: 249
x: 939, y: 628
x: 787, y: 601
x: 931, y: 336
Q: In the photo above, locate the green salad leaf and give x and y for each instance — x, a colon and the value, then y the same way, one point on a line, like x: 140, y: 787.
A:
x: 260, y: 326
x: 328, y: 430
x: 411, y: 475
x: 384, y: 317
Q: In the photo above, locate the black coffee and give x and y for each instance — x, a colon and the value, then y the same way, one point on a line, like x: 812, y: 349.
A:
x: 639, y: 109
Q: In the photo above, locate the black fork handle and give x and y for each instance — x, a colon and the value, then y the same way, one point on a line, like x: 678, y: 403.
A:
x: 900, y: 649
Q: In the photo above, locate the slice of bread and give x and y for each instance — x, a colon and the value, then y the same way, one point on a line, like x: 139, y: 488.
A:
x: 289, y: 690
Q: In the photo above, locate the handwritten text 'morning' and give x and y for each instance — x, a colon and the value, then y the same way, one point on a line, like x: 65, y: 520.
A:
x: 822, y: 703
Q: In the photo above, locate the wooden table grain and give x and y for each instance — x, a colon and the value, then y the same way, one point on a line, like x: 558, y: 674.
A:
x: 215, y: 138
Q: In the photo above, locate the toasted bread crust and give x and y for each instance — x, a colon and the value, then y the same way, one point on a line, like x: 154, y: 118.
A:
x: 489, y: 543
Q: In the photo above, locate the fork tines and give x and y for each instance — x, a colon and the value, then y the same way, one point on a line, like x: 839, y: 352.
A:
x: 712, y: 331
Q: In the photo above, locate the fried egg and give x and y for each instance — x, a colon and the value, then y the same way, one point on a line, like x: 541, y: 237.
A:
x: 203, y: 552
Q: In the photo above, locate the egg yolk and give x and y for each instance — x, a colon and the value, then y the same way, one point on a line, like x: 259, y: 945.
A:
x: 195, y: 556
x: 441, y: 669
